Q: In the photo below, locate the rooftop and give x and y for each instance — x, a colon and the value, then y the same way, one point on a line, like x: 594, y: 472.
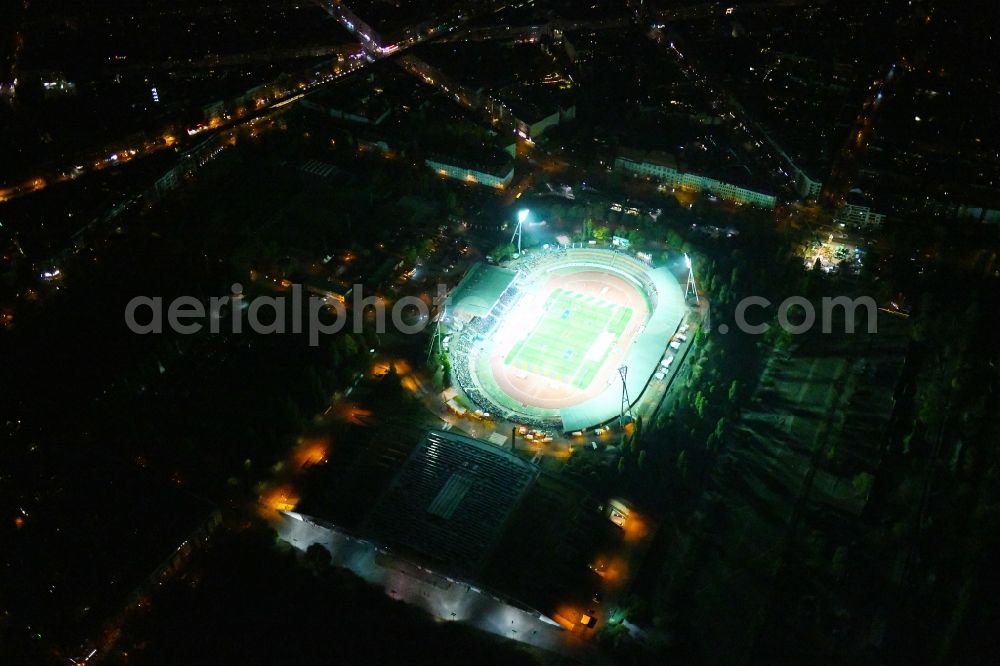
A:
x: 449, y: 503
x: 394, y: 18
x: 657, y: 157
x: 479, y: 290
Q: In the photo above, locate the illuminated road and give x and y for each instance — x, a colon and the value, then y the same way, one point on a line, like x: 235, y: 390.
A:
x: 151, y: 144
x: 845, y: 169
x: 350, y: 60
x: 438, y: 595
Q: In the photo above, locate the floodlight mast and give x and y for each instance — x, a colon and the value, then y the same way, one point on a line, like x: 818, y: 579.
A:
x: 626, y: 409
x: 522, y: 215
x: 691, y: 288
x: 436, y: 338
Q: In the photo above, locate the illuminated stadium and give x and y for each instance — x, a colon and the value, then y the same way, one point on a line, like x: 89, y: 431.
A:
x: 540, y: 342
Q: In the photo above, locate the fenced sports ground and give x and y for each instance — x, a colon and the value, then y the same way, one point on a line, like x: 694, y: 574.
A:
x: 543, y: 347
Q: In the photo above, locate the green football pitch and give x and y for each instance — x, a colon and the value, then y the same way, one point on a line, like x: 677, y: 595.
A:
x: 572, y: 339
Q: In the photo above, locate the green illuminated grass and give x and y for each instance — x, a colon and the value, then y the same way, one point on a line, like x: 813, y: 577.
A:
x: 558, y: 344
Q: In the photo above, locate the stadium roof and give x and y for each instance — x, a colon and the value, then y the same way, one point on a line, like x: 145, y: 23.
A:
x: 449, y: 503
x: 479, y: 290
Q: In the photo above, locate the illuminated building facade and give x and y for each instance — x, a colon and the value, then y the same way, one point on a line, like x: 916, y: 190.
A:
x: 498, y: 176
x: 663, y: 167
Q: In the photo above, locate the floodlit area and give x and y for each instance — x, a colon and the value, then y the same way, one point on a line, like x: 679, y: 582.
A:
x: 571, y: 339
x: 545, y: 348
x: 443, y: 597
x: 833, y: 254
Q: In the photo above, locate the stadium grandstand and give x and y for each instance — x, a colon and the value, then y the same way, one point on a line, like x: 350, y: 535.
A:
x: 451, y: 531
x: 448, y: 504
x: 479, y: 290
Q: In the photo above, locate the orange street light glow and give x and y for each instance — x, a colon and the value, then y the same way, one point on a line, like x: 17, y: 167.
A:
x: 635, y: 527
x: 281, y: 498
x: 311, y: 452
x: 561, y: 616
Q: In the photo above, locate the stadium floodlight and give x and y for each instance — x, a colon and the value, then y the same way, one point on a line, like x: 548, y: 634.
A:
x: 626, y: 408
x: 436, y: 338
x: 522, y: 215
x: 691, y: 289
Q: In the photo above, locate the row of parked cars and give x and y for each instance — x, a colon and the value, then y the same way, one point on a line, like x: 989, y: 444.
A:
x: 675, y: 344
